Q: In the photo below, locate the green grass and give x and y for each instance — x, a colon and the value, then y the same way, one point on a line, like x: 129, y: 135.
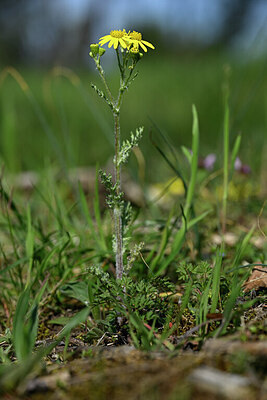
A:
x: 57, y: 251
x: 61, y: 121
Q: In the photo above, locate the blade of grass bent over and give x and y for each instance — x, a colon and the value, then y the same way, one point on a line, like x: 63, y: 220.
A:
x: 179, y: 238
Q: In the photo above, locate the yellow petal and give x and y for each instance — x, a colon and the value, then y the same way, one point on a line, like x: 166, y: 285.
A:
x: 122, y: 43
x: 116, y: 43
x: 103, y: 41
x: 132, y: 41
x: 143, y: 47
x: 148, y: 44
x: 103, y: 37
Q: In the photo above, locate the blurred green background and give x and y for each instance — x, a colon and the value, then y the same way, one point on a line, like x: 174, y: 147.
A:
x: 60, y: 119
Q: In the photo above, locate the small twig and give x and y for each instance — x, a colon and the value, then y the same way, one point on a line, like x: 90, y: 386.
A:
x: 144, y: 261
x: 100, y: 340
x: 195, y: 329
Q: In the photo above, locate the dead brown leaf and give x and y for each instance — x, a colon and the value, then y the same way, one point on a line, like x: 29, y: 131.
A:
x: 257, y: 279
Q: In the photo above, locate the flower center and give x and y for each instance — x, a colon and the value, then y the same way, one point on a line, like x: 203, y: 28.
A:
x: 136, y: 35
x: 117, y: 34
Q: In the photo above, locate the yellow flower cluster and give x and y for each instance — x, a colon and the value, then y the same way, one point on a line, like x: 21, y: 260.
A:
x: 131, y: 40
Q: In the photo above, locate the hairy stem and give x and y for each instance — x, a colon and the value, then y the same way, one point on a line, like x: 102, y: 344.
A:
x: 116, y: 105
x: 102, y: 75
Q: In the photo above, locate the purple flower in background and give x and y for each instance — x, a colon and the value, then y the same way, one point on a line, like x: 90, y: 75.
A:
x: 238, y: 164
x: 207, y: 162
x: 245, y: 169
x: 242, y: 168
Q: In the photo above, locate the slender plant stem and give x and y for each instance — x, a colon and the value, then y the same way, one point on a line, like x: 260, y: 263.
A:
x: 102, y: 75
x: 116, y: 105
x: 119, y: 64
x: 117, y: 210
x: 117, y: 167
x: 225, y: 165
x: 117, y: 213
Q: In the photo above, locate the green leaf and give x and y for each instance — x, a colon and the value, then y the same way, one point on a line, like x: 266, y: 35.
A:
x: 79, y: 318
x: 24, y: 326
x: 11, y: 375
x: 187, y: 154
x: 76, y: 290
x: 59, y: 321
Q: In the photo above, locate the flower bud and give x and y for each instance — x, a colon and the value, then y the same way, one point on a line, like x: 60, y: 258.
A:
x: 134, y: 50
x: 101, y: 51
x: 94, y: 50
x: 135, y: 54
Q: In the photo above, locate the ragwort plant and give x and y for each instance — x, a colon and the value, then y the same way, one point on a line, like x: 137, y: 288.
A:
x: 127, y: 47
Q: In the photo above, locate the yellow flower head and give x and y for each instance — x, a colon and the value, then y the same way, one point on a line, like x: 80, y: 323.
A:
x: 115, y: 38
x: 135, y: 38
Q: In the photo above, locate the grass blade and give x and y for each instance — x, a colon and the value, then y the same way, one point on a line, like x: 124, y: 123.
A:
x: 11, y: 375
x: 225, y: 163
x: 194, y: 162
x: 24, y: 327
x: 98, y: 214
x: 88, y: 217
x: 29, y: 244
x: 241, y: 249
x: 234, y: 155
x: 163, y: 243
x: 185, y: 300
x: 236, y: 286
x: 179, y: 238
x: 204, y: 303
x: 215, y: 290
